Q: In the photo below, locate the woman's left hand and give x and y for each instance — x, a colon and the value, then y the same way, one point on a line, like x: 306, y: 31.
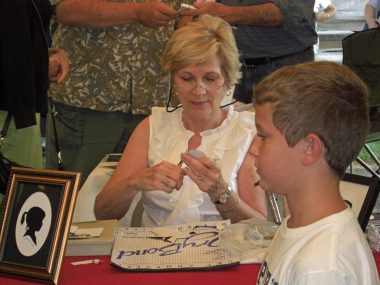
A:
x: 206, y: 174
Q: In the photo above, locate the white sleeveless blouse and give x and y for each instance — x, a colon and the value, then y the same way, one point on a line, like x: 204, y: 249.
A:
x: 227, y: 145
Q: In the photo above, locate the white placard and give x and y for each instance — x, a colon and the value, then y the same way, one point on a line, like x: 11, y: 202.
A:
x: 183, y: 247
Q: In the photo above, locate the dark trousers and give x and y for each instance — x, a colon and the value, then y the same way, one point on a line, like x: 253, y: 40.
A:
x: 254, y: 73
x: 85, y: 136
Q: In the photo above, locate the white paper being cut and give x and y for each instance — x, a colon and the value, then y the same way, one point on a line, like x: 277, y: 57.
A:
x: 183, y: 247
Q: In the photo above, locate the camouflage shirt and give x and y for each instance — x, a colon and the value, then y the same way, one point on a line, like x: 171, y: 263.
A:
x: 114, y: 69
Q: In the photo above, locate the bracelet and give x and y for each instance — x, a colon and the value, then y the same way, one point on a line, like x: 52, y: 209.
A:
x: 233, y: 207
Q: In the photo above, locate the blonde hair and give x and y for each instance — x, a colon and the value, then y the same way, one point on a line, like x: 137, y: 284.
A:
x: 200, y: 40
x: 323, y: 98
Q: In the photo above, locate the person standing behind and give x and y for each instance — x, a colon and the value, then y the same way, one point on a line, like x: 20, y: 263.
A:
x: 115, y: 79
x: 312, y: 120
x: 27, y: 66
x: 269, y: 35
x: 324, y: 10
x: 372, y: 14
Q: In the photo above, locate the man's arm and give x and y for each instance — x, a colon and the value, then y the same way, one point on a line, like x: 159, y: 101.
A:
x: 326, y: 14
x: 370, y: 16
x: 105, y: 14
x: 265, y: 15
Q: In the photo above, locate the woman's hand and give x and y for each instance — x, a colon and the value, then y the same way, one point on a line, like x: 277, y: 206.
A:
x: 164, y: 176
x: 206, y: 174
x: 58, y: 65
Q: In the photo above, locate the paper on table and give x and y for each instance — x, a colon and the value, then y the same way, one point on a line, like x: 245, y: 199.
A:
x: 92, y: 232
x: 249, y: 239
x: 73, y: 229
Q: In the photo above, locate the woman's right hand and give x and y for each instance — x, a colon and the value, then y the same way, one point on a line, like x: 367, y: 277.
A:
x: 164, y: 176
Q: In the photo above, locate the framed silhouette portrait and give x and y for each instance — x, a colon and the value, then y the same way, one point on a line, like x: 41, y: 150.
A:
x: 35, y: 221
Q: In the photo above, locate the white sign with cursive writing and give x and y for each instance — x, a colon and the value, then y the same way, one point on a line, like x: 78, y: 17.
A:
x: 183, y: 247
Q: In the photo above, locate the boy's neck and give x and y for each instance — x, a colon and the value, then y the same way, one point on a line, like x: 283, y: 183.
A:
x: 312, y: 204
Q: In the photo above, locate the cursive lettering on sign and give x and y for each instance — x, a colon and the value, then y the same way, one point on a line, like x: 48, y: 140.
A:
x: 203, y: 239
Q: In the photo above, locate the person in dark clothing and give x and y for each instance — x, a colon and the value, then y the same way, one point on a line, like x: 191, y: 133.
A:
x: 26, y: 66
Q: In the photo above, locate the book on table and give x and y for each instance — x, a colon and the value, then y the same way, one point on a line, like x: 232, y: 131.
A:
x: 91, y: 238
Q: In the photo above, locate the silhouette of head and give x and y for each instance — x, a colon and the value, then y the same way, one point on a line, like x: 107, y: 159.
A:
x: 34, y: 218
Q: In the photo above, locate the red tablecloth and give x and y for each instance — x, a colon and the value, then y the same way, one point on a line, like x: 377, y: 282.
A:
x: 106, y: 274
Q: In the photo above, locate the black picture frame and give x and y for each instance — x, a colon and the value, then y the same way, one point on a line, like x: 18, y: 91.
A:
x: 370, y: 187
x: 112, y: 157
x: 35, y: 222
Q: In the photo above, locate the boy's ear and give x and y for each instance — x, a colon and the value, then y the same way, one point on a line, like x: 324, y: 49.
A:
x: 313, y: 148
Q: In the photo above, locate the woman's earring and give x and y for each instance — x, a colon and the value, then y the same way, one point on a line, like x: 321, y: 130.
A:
x: 228, y: 93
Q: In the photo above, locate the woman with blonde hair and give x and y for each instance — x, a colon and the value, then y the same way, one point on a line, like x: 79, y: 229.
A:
x: 191, y: 164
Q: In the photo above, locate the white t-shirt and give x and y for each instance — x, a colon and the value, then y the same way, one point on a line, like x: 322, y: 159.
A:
x: 331, y: 251
x: 227, y: 145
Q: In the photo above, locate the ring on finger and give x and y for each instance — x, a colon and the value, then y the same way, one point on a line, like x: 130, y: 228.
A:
x: 166, y: 183
x: 201, y: 177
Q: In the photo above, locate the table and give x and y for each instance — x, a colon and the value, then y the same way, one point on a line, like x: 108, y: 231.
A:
x: 106, y: 274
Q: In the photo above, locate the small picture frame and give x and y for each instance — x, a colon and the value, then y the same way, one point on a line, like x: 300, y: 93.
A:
x: 35, y: 222
x: 360, y: 193
x: 112, y: 157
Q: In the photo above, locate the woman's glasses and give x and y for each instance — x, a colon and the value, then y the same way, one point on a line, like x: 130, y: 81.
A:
x: 207, y: 84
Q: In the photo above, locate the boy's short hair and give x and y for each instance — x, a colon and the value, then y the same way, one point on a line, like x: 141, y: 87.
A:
x: 198, y: 42
x: 324, y: 98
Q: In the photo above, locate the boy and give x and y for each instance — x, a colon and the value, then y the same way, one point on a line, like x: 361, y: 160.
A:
x: 311, y: 122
